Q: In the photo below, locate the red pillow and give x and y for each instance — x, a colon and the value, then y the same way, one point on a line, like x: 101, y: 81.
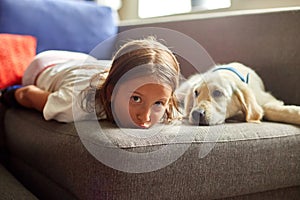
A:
x: 16, y: 52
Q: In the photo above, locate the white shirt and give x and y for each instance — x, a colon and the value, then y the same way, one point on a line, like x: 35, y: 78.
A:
x: 65, y: 81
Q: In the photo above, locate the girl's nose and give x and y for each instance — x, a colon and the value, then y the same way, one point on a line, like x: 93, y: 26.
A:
x: 144, y: 115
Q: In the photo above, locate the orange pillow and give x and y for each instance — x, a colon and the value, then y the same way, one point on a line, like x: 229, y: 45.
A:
x: 16, y: 52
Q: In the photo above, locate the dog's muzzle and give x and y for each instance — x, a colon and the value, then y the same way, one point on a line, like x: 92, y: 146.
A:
x: 199, y: 117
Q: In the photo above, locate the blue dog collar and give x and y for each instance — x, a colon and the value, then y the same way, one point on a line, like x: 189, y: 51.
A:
x: 245, y: 80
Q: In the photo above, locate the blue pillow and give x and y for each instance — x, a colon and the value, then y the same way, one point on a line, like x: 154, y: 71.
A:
x: 58, y: 24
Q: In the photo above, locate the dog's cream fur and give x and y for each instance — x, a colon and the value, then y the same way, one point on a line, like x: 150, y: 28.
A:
x: 212, y: 97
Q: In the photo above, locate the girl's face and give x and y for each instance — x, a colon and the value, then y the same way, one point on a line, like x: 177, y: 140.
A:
x: 139, y: 105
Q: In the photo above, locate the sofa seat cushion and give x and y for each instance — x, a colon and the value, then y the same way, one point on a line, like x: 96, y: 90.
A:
x: 202, y: 162
x: 11, y: 188
x: 59, y: 24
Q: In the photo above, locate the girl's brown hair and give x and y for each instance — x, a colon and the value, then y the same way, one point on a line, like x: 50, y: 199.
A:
x: 155, y: 60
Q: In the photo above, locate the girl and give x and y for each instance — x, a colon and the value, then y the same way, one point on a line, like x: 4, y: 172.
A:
x: 136, y: 91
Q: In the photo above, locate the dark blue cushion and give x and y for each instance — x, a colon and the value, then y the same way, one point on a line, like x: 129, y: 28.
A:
x: 58, y: 24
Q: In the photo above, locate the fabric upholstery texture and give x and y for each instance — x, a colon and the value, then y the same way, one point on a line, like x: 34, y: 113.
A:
x: 279, y: 194
x: 16, y: 52
x: 11, y: 189
x: 74, y: 26
x: 2, y: 135
x: 247, y: 158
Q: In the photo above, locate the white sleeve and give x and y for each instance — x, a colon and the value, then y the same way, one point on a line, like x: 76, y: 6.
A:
x: 59, y: 106
x: 64, y: 107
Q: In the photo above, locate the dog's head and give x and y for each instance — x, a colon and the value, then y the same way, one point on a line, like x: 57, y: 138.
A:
x: 216, y: 96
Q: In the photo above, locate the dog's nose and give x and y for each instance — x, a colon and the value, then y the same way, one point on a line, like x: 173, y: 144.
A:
x: 199, y: 116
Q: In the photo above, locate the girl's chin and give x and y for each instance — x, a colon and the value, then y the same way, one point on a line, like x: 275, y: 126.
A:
x: 138, y: 126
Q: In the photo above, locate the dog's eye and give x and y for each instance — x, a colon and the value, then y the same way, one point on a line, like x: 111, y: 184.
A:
x: 196, y: 93
x: 217, y: 93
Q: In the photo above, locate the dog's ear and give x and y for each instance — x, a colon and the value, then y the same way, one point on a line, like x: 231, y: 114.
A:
x: 188, y: 102
x: 185, y: 92
x: 252, y: 110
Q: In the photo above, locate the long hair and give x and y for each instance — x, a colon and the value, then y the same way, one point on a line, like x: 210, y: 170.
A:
x: 152, y: 59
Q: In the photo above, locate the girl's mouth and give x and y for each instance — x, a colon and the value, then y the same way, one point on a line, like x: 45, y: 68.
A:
x: 143, y: 125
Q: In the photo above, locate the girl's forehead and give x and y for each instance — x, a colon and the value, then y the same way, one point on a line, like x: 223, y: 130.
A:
x: 141, y: 80
x: 135, y: 83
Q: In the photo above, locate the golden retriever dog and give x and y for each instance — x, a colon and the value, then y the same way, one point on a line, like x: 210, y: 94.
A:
x: 228, y: 90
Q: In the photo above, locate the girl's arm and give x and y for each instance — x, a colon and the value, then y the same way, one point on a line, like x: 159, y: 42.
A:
x: 32, y: 97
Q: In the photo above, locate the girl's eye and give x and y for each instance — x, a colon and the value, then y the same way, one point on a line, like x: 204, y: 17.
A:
x: 158, y: 106
x: 217, y: 93
x: 136, y: 99
x: 159, y: 103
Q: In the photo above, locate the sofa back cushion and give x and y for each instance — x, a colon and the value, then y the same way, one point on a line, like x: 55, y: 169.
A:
x: 58, y: 24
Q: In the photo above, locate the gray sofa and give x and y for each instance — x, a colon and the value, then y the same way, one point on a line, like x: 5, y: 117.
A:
x: 237, y: 160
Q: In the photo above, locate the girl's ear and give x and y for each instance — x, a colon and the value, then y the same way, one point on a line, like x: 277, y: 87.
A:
x: 252, y: 111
